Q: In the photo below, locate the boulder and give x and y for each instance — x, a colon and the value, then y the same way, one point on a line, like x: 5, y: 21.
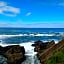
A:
x: 13, y: 53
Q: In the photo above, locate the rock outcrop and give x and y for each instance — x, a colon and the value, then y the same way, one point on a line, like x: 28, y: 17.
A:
x: 14, y: 54
x: 41, y: 46
x: 46, y: 50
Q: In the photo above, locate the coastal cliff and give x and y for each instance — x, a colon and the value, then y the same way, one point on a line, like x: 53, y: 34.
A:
x: 45, y: 51
x: 13, y: 54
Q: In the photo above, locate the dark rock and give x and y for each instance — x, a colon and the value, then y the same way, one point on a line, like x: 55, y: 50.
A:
x: 13, y: 53
x: 39, y: 45
x: 49, y: 44
x: 36, y: 43
x: 46, y: 50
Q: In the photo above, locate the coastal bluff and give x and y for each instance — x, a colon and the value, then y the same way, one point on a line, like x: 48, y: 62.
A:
x: 13, y: 54
x: 46, y: 50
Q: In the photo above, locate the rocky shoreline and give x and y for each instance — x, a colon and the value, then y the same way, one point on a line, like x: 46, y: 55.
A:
x: 46, y: 50
x: 13, y: 54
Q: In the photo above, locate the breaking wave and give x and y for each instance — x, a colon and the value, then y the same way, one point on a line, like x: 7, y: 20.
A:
x: 30, y: 54
x: 37, y: 34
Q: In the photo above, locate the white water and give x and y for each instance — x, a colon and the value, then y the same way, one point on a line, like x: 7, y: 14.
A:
x: 7, y: 36
x: 31, y: 57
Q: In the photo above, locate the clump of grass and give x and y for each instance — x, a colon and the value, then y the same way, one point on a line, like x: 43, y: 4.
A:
x: 58, y: 58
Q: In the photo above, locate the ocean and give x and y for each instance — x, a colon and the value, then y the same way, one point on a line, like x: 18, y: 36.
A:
x: 24, y: 35
x: 27, y: 36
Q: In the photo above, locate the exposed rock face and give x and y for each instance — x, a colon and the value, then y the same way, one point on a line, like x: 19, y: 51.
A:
x: 39, y: 45
x: 46, y: 50
x: 14, y: 54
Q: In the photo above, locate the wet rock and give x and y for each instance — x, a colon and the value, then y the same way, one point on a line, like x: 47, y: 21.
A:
x: 13, y: 53
x: 39, y: 45
x: 3, y: 60
x: 46, y: 50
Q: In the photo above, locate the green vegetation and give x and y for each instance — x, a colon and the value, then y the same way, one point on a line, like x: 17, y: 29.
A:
x: 58, y: 58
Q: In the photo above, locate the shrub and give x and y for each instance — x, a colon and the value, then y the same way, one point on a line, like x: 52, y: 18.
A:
x: 58, y: 57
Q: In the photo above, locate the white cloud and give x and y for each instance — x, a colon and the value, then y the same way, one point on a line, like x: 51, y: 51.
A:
x: 28, y: 14
x: 12, y: 11
x: 2, y: 4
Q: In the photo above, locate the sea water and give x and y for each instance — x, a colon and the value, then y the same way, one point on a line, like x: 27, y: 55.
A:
x: 26, y: 37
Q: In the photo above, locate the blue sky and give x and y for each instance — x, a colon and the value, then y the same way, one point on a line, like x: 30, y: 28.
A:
x: 32, y: 13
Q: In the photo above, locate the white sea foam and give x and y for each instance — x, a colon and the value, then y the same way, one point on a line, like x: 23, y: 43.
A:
x: 56, y: 41
x: 27, y: 45
x: 8, y: 36
x: 30, y: 54
x: 28, y: 48
x: 4, y: 36
x: 44, y: 35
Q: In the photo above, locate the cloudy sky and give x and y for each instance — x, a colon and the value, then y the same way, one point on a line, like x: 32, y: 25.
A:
x: 32, y: 13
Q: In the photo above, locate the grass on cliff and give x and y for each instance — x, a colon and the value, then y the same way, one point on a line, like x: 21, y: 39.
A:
x: 58, y: 58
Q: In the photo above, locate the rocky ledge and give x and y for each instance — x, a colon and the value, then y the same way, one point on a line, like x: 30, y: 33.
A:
x: 13, y: 54
x: 46, y: 50
x: 41, y: 46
